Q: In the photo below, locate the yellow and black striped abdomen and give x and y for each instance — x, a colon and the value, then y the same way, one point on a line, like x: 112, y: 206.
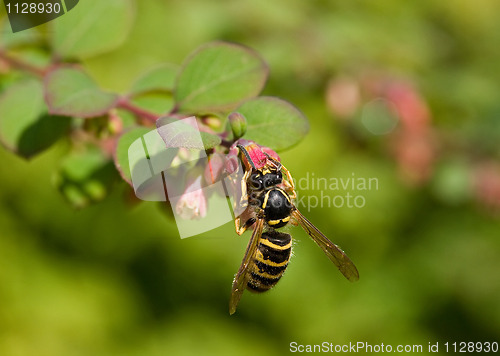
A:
x: 270, y: 261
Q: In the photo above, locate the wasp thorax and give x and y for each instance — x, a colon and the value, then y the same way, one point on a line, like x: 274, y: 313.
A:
x: 277, y: 207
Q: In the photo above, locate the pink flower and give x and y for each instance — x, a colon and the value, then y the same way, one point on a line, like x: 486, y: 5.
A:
x: 193, y: 203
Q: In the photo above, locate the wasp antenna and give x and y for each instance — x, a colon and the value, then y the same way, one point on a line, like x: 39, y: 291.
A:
x: 247, y: 155
x: 276, y: 163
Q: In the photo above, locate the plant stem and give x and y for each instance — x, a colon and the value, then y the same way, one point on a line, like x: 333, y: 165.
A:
x: 226, y: 143
x: 22, y: 65
x: 125, y: 104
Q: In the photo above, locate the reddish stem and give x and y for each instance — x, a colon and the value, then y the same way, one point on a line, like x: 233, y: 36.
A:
x: 226, y: 143
x: 22, y: 65
x: 125, y: 104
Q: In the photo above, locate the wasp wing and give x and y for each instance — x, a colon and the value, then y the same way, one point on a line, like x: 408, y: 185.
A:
x: 334, y: 253
x: 241, y: 278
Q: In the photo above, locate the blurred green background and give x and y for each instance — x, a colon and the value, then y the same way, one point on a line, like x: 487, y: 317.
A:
x: 115, y: 279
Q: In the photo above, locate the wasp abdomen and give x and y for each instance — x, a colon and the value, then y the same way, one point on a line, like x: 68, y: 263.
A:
x: 270, y: 261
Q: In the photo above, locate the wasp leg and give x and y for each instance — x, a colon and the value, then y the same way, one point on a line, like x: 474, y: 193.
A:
x: 241, y: 228
x: 288, y: 176
x: 277, y: 165
x: 288, y: 183
x: 244, y: 194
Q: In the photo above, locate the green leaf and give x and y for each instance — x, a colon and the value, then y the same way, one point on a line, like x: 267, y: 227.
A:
x: 185, y: 133
x: 71, y: 92
x: 8, y: 39
x: 128, y: 119
x: 25, y: 126
x: 85, y: 177
x: 9, y: 79
x: 219, y: 76
x: 96, y: 26
x: 121, y: 153
x: 161, y: 78
x: 155, y: 102
x: 273, y: 122
x: 34, y: 56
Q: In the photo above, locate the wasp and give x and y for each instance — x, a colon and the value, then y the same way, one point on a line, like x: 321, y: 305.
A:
x: 268, y: 191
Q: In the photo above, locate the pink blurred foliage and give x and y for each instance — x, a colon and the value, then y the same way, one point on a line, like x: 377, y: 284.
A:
x: 415, y: 154
x: 412, y: 143
x: 343, y: 97
x: 486, y: 178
